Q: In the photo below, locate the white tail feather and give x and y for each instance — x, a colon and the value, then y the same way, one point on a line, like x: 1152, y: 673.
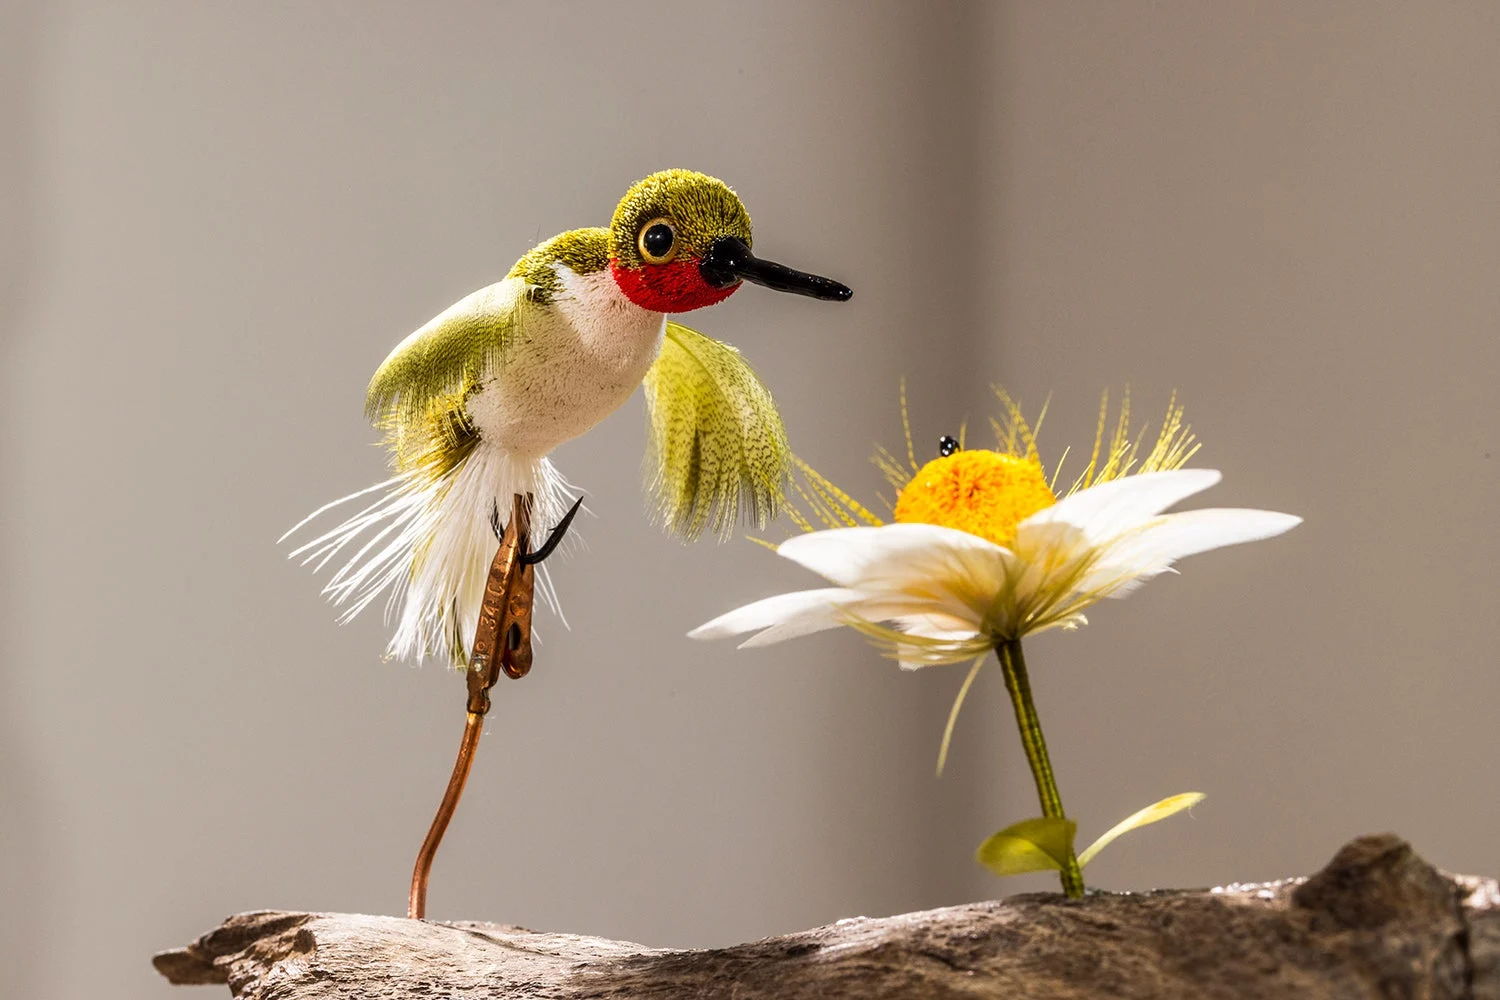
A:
x: 434, y: 546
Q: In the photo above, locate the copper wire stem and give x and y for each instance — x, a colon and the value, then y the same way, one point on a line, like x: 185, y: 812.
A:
x: 416, y: 907
x: 502, y: 645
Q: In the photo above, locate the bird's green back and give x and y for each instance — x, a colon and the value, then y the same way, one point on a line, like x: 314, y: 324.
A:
x: 582, y: 251
x: 417, y: 395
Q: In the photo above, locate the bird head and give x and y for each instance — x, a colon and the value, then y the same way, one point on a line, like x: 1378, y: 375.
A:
x: 680, y: 240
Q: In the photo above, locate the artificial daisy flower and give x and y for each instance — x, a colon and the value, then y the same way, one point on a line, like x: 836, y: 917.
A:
x: 984, y: 551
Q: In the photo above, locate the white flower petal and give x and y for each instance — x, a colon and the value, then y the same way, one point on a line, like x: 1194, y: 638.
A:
x: 889, y: 554
x: 937, y: 625
x: 869, y: 607
x: 1138, y: 556
x: 803, y: 612
x: 1119, y: 505
x: 941, y: 627
x: 930, y: 609
x: 778, y: 610
x: 1193, y: 531
x: 919, y: 568
x: 913, y: 661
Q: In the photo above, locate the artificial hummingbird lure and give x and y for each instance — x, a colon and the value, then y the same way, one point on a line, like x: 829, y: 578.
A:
x: 474, y: 401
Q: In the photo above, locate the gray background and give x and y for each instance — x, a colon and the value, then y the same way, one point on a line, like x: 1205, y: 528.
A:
x: 217, y: 219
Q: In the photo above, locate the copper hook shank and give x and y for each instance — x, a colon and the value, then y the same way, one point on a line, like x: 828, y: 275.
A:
x: 502, y: 642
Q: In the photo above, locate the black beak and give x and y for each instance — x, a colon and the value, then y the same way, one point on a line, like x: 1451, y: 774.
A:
x: 729, y: 260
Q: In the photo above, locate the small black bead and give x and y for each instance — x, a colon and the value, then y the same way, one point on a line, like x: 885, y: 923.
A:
x: 947, y: 445
x: 658, y: 240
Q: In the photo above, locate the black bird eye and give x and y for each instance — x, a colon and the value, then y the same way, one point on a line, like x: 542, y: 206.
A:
x: 657, y: 242
x: 947, y: 445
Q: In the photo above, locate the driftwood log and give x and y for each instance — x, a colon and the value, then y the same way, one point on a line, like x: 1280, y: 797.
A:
x: 1378, y: 921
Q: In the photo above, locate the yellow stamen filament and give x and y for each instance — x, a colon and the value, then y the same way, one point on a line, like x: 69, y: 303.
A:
x: 836, y: 496
x: 911, y: 454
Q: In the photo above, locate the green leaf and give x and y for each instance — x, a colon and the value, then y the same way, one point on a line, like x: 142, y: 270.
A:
x: 1156, y: 811
x: 1032, y: 845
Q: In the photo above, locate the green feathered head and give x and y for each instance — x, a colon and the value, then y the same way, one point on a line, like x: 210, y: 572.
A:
x: 664, y: 228
x: 698, y: 208
x: 680, y: 240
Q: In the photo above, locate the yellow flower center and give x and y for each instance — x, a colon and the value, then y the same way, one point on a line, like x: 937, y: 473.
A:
x: 982, y: 492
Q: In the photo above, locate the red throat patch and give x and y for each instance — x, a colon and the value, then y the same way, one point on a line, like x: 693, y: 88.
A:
x: 669, y: 288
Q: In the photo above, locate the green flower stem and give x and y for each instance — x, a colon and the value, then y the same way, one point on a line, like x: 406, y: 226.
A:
x: 1013, y: 665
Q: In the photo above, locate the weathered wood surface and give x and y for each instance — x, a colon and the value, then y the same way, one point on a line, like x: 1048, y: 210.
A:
x: 1377, y: 922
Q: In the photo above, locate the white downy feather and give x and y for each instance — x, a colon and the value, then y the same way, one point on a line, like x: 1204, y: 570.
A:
x: 434, y: 597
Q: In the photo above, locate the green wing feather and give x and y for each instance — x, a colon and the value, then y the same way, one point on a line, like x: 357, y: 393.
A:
x: 717, y: 443
x: 416, y: 395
